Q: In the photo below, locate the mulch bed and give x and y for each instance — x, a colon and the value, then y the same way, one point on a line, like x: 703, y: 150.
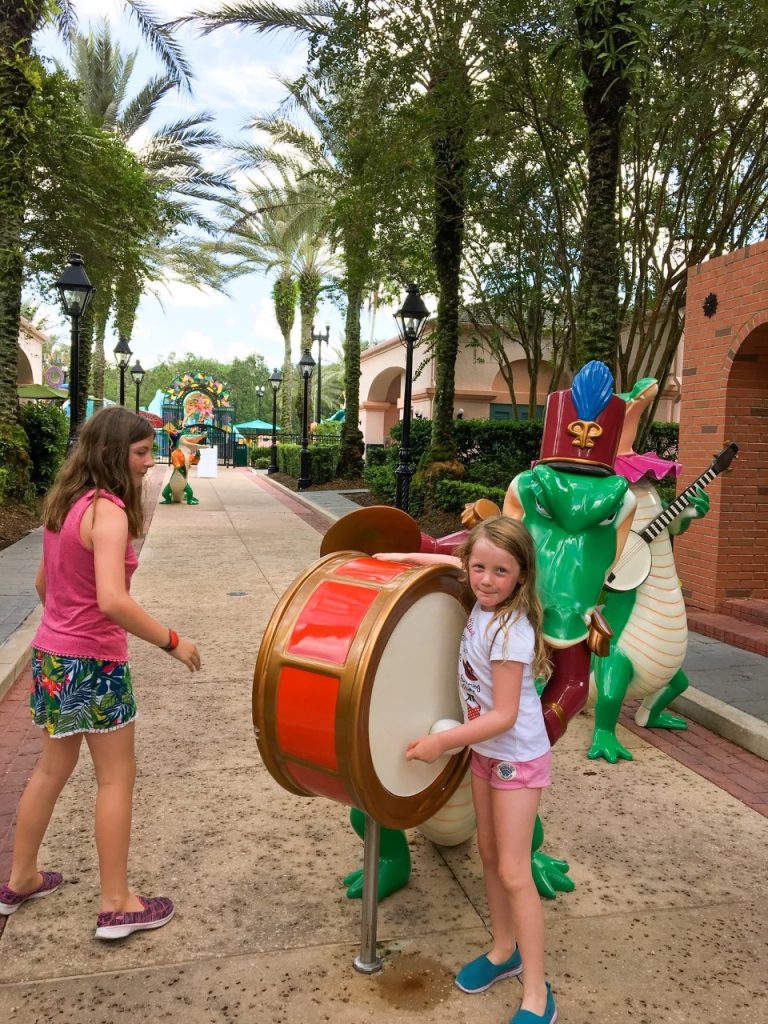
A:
x: 435, y: 523
x: 291, y: 483
x: 15, y: 522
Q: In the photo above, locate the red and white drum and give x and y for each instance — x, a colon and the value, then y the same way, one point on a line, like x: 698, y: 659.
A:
x: 359, y: 658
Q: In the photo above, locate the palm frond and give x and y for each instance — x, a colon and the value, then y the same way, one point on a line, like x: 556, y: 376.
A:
x: 310, y: 17
x: 160, y: 38
x: 139, y: 110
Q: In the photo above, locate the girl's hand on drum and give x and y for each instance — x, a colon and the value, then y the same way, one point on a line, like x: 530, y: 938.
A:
x: 425, y: 748
x: 390, y: 556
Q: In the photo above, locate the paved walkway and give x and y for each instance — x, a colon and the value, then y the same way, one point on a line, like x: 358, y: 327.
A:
x: 667, y: 921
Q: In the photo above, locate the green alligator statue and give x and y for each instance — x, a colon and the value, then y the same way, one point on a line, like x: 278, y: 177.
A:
x: 185, y: 444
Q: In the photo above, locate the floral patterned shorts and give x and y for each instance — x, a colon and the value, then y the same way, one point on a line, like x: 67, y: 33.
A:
x: 71, y: 695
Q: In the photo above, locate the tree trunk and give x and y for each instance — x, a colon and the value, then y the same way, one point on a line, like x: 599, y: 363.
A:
x: 17, y: 24
x: 284, y: 298
x: 101, y: 305
x: 451, y: 100
x: 86, y: 346
x: 352, y: 446
x: 604, y: 99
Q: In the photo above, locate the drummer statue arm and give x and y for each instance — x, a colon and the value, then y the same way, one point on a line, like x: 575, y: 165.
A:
x: 418, y: 558
x: 507, y: 683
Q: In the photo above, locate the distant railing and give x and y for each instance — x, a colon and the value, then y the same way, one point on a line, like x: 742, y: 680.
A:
x: 265, y: 440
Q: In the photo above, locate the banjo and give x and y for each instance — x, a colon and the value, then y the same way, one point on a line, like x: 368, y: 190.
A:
x: 634, y: 564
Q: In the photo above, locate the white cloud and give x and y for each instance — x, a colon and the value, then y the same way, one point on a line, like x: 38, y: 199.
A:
x: 177, y: 293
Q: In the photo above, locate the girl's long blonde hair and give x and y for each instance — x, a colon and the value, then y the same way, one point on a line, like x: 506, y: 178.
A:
x: 513, y: 537
x: 99, y: 461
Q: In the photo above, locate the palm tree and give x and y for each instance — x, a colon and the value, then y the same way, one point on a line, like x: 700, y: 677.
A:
x: 18, y: 23
x: 171, y: 157
x: 281, y: 226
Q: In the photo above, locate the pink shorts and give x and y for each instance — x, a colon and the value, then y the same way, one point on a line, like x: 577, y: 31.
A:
x: 513, y: 774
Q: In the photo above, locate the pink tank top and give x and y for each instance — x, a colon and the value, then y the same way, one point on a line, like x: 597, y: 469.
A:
x: 72, y: 623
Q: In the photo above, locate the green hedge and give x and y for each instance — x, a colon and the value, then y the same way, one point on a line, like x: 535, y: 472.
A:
x: 323, y: 460
x: 453, y: 495
x: 15, y: 466
x: 47, y: 428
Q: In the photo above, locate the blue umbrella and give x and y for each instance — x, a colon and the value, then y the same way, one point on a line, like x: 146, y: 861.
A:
x: 254, y: 427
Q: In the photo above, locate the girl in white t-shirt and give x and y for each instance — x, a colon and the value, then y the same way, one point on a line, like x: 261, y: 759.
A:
x: 501, y: 653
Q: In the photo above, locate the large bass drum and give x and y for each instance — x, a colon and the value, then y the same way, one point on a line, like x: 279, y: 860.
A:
x: 359, y: 658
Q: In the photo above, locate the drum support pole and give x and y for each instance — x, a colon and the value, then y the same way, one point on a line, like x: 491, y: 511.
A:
x: 368, y: 962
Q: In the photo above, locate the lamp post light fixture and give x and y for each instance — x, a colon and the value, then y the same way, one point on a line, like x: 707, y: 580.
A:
x: 137, y: 372
x: 259, y: 396
x: 122, y: 354
x: 319, y: 337
x: 75, y: 294
x: 306, y: 366
x: 411, y: 319
x: 275, y: 380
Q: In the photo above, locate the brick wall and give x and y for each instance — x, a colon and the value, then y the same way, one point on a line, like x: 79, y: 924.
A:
x: 725, y: 398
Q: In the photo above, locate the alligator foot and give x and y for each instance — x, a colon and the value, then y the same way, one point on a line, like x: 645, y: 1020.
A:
x: 605, y: 744
x: 659, y: 719
x: 550, y: 875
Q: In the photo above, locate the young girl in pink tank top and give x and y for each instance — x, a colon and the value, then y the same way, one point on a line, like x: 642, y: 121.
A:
x: 81, y: 676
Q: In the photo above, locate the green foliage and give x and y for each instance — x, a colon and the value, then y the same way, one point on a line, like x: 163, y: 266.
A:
x: 376, y: 455
x: 47, y: 428
x: 453, y: 495
x: 662, y: 438
x: 15, y: 466
x: 327, y: 429
x: 381, y: 482
x: 323, y: 459
x: 259, y: 461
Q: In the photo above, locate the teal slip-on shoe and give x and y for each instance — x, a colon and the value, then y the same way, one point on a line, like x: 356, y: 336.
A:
x: 548, y: 1017
x: 480, y: 974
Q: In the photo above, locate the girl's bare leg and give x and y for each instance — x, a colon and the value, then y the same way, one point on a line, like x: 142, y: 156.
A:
x: 498, y: 900
x: 56, y: 764
x: 114, y: 761
x: 514, y: 815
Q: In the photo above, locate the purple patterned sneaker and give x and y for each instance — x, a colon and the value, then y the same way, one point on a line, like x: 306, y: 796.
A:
x: 116, y: 924
x: 10, y: 901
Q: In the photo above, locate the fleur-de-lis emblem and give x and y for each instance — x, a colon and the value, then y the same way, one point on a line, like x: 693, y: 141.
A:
x: 584, y: 433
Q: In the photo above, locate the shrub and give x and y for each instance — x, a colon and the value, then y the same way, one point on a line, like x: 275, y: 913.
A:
x: 381, y: 483
x: 323, y: 460
x: 663, y: 439
x: 376, y: 455
x: 260, y: 462
x: 47, y: 428
x: 16, y: 464
x: 453, y: 495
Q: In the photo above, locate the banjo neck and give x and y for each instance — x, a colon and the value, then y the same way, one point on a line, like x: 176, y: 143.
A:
x: 675, y: 508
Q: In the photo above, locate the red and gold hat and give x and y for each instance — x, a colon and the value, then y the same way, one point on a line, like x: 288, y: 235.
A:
x: 582, y: 426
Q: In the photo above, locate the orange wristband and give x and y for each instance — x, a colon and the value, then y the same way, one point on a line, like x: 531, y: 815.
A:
x: 173, y: 641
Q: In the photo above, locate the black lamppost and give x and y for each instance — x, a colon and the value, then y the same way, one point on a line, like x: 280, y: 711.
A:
x: 259, y: 396
x: 411, y: 319
x: 306, y: 366
x: 122, y: 354
x: 137, y: 372
x: 319, y: 337
x: 275, y: 380
x: 75, y: 294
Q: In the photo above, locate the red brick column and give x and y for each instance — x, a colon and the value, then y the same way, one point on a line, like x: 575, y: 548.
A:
x: 725, y: 398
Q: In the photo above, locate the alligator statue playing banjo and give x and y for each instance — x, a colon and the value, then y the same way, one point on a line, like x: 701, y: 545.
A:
x: 185, y: 445
x: 644, y: 603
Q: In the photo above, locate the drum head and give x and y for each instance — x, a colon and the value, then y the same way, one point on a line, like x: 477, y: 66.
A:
x: 372, y: 530
x: 414, y: 687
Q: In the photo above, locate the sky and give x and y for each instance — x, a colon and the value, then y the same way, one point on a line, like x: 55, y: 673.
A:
x: 235, y: 81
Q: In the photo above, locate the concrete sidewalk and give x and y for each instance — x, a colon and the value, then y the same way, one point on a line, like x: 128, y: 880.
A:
x: 666, y: 923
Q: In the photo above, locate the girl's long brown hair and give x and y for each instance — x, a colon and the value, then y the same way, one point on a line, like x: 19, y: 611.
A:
x: 99, y: 461
x: 513, y: 537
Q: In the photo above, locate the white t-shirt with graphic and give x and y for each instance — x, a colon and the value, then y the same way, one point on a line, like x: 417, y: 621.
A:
x: 481, y: 644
